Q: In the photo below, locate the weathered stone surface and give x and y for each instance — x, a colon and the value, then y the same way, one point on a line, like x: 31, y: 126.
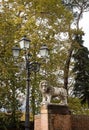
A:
x: 58, y: 109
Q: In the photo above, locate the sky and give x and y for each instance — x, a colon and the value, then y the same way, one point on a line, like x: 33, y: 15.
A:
x: 84, y: 23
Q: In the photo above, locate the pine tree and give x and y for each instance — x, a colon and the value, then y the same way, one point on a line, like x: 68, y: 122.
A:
x: 81, y: 70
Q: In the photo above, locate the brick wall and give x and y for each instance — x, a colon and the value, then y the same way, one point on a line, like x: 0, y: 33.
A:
x: 53, y: 117
x: 50, y: 119
x: 59, y: 122
x: 80, y: 122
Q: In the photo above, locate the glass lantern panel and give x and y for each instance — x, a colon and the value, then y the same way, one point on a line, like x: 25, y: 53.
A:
x: 16, y: 53
x: 21, y: 44
x: 44, y: 51
x: 26, y: 44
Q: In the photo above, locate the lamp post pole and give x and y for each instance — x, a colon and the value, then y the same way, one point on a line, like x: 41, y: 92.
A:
x: 30, y: 66
x: 27, y: 110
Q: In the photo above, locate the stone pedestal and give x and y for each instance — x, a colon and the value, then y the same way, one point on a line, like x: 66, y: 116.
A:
x: 44, y: 118
x: 54, y: 117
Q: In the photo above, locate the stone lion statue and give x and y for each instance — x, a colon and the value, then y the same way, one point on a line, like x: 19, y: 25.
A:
x: 48, y: 92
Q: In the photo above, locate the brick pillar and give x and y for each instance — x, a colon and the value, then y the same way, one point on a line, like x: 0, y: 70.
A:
x: 44, y: 117
x: 54, y: 117
x: 59, y: 117
x: 37, y: 122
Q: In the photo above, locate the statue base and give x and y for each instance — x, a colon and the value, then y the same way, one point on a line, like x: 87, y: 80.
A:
x: 54, y: 117
x: 58, y: 109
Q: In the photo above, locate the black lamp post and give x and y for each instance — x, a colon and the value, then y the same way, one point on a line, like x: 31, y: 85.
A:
x: 30, y: 66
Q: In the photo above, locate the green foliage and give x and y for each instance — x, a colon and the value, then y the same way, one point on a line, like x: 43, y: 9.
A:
x: 81, y: 70
x: 8, y: 121
x: 44, y: 22
x: 76, y: 107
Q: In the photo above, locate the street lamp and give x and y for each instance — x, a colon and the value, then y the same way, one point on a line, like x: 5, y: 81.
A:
x: 44, y: 51
x: 30, y: 66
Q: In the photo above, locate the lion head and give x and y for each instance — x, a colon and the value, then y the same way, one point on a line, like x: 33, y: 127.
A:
x: 43, y: 86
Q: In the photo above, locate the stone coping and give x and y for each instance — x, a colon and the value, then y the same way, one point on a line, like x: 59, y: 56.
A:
x: 56, y: 109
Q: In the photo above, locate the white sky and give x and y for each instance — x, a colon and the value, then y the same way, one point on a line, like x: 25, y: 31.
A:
x: 84, y: 23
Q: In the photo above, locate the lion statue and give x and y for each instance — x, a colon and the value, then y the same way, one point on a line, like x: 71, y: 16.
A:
x: 49, y: 92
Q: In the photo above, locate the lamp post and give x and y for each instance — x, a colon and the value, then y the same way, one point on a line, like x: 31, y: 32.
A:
x: 30, y: 66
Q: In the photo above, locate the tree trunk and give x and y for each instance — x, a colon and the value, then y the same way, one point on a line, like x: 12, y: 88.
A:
x: 66, y: 69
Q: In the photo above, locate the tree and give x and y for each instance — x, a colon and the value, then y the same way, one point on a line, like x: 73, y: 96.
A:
x: 43, y: 22
x: 81, y: 70
x: 77, y: 7
x: 9, y: 82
